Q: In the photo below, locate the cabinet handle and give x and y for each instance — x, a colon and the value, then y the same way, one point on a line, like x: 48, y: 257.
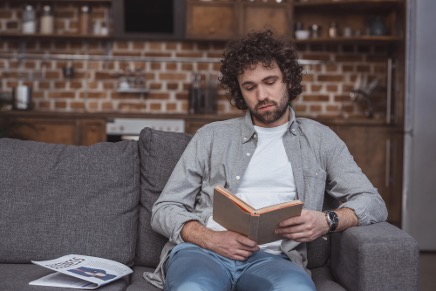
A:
x: 388, y: 163
x: 389, y: 92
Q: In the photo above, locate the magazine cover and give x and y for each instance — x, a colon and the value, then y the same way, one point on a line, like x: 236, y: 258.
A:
x: 81, y: 272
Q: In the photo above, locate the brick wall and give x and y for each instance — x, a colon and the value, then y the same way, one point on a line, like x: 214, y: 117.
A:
x: 93, y: 87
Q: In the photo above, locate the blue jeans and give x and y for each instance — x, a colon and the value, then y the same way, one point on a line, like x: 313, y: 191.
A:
x: 191, y: 268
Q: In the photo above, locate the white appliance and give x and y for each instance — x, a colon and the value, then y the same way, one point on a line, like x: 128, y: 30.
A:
x: 419, y: 187
x: 129, y: 128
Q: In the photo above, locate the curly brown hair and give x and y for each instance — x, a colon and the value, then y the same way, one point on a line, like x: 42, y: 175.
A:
x: 255, y: 48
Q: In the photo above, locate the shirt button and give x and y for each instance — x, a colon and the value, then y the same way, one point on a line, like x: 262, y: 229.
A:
x: 248, y: 154
x: 293, y: 130
x: 237, y: 177
x: 245, y: 138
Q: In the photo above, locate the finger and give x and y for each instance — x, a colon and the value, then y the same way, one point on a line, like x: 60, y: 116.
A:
x: 247, y: 243
x: 297, y: 220
x: 242, y: 255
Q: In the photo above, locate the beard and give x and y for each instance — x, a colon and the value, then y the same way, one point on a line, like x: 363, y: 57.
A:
x: 270, y: 116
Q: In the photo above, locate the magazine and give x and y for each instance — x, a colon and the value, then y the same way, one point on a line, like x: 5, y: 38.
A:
x: 81, y: 272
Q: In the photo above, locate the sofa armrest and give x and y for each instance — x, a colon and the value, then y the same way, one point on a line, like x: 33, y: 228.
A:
x: 375, y: 257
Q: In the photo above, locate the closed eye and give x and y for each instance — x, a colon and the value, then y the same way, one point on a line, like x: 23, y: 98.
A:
x: 249, y: 87
x: 270, y: 80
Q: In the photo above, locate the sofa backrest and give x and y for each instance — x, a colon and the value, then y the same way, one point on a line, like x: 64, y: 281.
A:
x: 65, y: 199
x: 159, y: 152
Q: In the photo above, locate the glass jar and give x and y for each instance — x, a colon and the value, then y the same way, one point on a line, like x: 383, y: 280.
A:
x: 333, y: 30
x: 29, y: 19
x: 46, y: 21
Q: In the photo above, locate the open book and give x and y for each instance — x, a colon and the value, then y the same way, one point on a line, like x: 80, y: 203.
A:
x: 257, y: 224
x: 81, y: 272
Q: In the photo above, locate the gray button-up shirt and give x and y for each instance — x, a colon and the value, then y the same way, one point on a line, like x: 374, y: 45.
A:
x: 217, y: 155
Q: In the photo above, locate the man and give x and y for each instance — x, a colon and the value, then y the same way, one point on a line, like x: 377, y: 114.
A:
x: 266, y: 157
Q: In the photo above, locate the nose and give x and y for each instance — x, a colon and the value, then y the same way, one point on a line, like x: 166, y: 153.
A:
x: 262, y: 93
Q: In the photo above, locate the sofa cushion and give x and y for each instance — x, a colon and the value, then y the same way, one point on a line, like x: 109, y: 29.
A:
x: 324, y: 281
x: 159, y: 152
x: 137, y: 282
x: 61, y: 199
x: 16, y: 277
x: 318, y: 252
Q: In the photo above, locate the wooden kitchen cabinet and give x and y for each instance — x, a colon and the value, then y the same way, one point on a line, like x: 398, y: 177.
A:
x: 378, y: 151
x: 47, y: 130
x: 58, y: 130
x: 92, y: 131
x: 258, y: 15
x: 211, y: 19
x: 228, y: 19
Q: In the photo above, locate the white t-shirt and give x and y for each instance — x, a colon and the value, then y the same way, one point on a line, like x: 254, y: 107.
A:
x: 269, y: 178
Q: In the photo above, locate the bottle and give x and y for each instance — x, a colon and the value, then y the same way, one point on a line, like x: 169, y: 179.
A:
x: 85, y: 20
x: 315, y: 31
x: 377, y: 26
x: 29, y: 20
x: 333, y: 30
x: 47, y: 20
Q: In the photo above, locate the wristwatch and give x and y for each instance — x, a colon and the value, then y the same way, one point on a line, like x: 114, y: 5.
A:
x: 332, y: 219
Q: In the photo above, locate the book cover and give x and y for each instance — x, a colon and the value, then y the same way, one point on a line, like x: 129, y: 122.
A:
x: 257, y: 224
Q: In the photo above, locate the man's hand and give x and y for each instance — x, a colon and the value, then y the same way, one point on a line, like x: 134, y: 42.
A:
x: 304, y: 228
x: 226, y: 243
x: 312, y: 224
x: 231, y: 245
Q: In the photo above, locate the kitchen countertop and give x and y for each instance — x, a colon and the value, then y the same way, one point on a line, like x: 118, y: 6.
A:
x: 328, y: 120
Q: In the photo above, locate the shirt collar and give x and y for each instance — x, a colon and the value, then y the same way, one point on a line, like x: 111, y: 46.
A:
x: 248, y: 131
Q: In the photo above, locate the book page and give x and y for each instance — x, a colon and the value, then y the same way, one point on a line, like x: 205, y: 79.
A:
x: 239, y: 202
x: 277, y: 206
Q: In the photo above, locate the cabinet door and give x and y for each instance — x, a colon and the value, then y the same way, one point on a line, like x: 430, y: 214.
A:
x: 378, y: 152
x: 48, y: 130
x: 75, y: 131
x: 92, y: 131
x: 260, y: 16
x: 211, y: 20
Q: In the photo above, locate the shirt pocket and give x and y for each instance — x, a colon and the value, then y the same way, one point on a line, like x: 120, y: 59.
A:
x: 315, y: 184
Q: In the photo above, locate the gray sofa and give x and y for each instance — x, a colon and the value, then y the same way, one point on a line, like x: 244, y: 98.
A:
x: 96, y: 200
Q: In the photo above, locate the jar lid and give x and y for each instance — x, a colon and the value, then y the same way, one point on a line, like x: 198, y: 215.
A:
x: 85, y: 9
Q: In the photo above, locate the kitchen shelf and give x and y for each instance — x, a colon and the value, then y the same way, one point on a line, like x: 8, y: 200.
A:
x: 370, y: 21
x: 358, y: 39
x: 39, y: 36
x: 366, y: 5
x: 59, y: 1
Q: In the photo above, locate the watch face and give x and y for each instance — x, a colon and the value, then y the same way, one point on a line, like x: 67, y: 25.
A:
x: 334, y: 219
